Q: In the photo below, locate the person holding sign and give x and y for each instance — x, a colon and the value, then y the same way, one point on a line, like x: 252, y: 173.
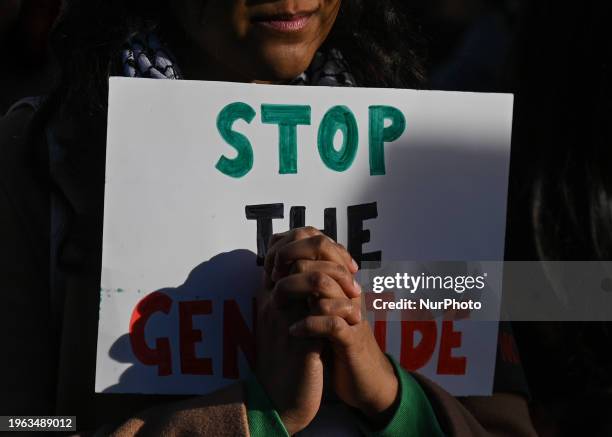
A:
x: 313, y: 336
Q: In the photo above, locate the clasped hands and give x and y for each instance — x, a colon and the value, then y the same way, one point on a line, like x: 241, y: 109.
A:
x: 309, y: 319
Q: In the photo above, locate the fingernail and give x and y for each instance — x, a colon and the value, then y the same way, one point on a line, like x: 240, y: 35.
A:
x: 357, y: 286
x: 355, y: 265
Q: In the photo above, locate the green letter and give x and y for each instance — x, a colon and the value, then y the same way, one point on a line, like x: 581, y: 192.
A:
x: 243, y: 163
x: 379, y: 134
x: 338, y: 118
x: 287, y: 117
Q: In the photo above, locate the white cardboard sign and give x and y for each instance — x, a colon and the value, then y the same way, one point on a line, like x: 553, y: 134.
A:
x: 424, y: 172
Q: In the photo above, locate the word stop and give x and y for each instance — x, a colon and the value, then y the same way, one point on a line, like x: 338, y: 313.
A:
x: 386, y: 124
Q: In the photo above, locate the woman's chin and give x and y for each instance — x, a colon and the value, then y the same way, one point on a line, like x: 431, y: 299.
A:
x: 283, y: 64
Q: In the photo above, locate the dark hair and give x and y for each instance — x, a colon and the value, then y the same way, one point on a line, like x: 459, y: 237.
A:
x: 374, y: 36
x: 560, y: 205
x: 562, y: 146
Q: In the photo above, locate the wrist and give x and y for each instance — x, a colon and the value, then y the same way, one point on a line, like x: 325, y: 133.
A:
x: 383, y: 402
x: 292, y: 418
x: 291, y: 425
x: 380, y: 407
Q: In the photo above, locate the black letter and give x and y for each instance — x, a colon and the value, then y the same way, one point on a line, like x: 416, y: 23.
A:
x: 297, y: 217
x: 357, y: 236
x: 329, y: 220
x: 264, y: 214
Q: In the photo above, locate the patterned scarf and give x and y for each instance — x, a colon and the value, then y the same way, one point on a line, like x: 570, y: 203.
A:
x: 146, y: 56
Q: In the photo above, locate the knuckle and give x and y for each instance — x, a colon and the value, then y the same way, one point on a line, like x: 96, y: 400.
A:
x: 325, y: 307
x: 305, y: 232
x: 300, y: 266
x: 310, y: 230
x: 348, y: 307
x: 320, y: 242
x: 300, y: 234
x: 342, y: 271
x: 319, y: 280
x: 335, y: 325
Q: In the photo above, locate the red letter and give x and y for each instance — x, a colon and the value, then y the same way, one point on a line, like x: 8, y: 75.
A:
x: 161, y: 355
x: 447, y: 364
x: 190, y: 364
x: 236, y: 334
x: 414, y: 357
x: 507, y: 348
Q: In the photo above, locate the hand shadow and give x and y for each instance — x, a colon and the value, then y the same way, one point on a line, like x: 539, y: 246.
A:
x: 231, y: 276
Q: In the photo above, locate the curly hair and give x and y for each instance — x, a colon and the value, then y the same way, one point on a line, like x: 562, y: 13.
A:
x: 375, y: 37
x: 560, y: 205
x: 562, y: 136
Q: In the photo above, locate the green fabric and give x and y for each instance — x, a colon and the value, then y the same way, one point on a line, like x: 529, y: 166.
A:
x: 414, y: 416
x: 262, y: 417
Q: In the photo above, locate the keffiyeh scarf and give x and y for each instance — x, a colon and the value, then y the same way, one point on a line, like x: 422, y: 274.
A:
x: 146, y: 56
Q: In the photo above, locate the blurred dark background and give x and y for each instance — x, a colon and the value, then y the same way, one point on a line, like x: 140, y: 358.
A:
x: 556, y: 58
x: 26, y: 69
x: 467, y: 42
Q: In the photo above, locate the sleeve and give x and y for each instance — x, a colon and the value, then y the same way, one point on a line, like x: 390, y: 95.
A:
x: 221, y: 413
x: 414, y: 415
x: 26, y: 382
x: 263, y: 419
x: 423, y: 409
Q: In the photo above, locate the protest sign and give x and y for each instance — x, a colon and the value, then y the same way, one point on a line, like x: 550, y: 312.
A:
x: 199, y: 174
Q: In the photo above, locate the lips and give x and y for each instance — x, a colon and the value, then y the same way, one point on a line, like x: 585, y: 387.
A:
x: 285, y: 22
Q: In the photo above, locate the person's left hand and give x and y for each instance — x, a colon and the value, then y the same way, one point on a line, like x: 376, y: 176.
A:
x: 362, y: 375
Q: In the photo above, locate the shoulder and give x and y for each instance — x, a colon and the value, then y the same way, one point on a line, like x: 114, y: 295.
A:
x: 14, y: 124
x: 23, y: 193
x: 479, y: 415
x: 14, y: 128
x: 24, y: 233
x: 14, y: 147
x: 220, y: 413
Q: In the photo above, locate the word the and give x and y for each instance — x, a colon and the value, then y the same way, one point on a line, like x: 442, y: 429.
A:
x: 356, y: 215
